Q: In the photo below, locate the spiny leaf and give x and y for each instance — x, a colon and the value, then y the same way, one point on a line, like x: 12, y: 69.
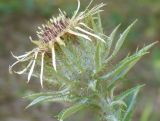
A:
x: 61, y: 99
x: 128, y: 113
x: 123, y: 37
x: 124, y: 66
x: 121, y: 74
x: 125, y: 70
x: 146, y: 48
x: 123, y: 95
x: 141, y: 52
x: 111, y: 38
x: 55, y: 98
x: 38, y: 100
x: 119, y: 68
x: 118, y: 102
x: 71, y: 110
x: 35, y: 95
x: 120, y: 41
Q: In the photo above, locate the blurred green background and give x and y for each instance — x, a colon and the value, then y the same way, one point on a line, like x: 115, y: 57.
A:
x: 19, y: 19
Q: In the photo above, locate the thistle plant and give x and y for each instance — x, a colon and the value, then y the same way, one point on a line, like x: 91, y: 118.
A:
x: 53, y: 33
x: 76, y: 58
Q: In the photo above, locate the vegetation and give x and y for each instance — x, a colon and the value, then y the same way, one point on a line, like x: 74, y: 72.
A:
x: 87, y: 78
x: 19, y: 20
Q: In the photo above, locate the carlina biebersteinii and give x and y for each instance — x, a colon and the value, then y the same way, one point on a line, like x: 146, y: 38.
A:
x: 52, y: 32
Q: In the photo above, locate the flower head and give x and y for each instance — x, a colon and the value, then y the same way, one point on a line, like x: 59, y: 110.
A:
x: 52, y: 32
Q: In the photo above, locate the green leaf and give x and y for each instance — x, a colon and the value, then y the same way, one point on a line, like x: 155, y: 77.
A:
x: 64, y: 98
x: 54, y: 93
x: 71, y: 110
x: 120, y: 41
x: 111, y: 38
x: 120, y: 67
x: 123, y: 95
x: 128, y: 112
x: 48, y: 96
x: 98, y: 57
x: 124, y: 66
x: 118, y: 102
x: 122, y: 38
x: 56, y: 98
x: 38, y: 100
x: 122, y: 71
x: 146, y: 48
